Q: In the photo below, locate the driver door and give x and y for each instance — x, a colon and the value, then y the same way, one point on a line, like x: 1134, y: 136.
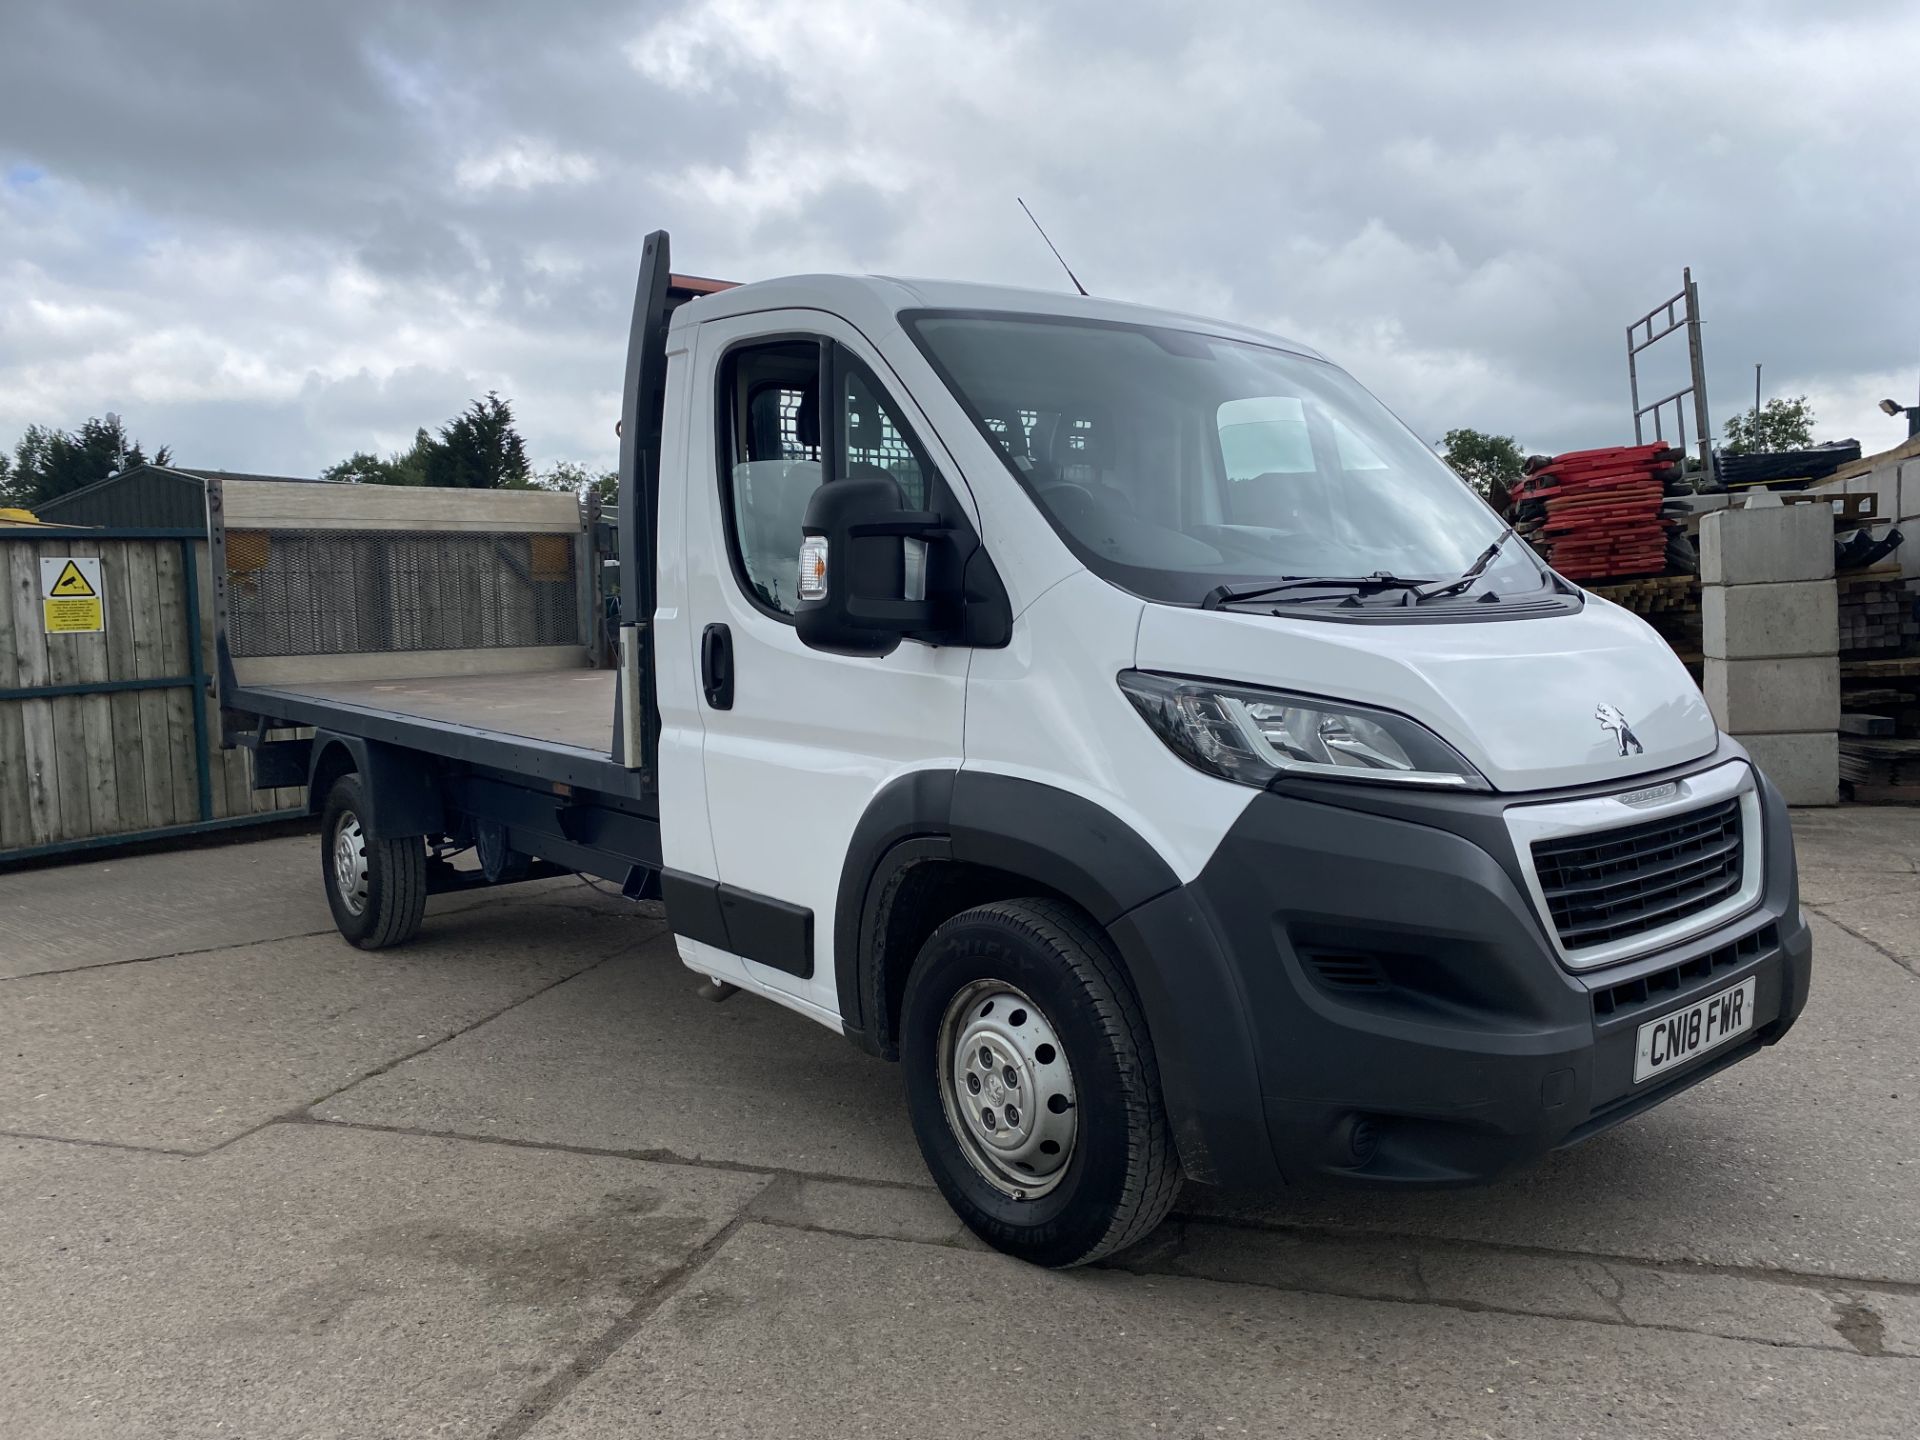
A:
x: 797, y: 741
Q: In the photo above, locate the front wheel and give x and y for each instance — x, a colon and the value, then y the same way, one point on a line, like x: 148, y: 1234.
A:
x: 1032, y: 1084
x: 377, y: 889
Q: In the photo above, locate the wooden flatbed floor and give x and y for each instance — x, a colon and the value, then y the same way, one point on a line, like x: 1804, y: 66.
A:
x: 558, y: 707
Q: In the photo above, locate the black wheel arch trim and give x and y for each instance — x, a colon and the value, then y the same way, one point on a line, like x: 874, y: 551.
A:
x: 1061, y: 841
x: 402, y: 790
x: 1072, y: 847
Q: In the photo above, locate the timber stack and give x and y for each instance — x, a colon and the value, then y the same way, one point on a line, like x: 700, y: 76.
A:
x: 1879, y: 670
x: 1602, y: 513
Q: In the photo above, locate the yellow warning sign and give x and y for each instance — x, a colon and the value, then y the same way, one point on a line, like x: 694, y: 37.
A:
x: 72, y: 585
x: 71, y: 596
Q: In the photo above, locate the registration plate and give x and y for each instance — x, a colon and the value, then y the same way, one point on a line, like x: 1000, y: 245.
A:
x: 1674, y: 1039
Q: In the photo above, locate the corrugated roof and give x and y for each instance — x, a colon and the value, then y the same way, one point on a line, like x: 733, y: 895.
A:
x: 149, y: 496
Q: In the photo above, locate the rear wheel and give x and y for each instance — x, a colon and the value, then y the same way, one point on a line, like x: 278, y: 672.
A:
x: 377, y: 889
x: 1032, y: 1084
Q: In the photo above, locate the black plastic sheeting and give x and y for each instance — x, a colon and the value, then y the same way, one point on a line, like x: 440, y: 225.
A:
x: 1768, y: 469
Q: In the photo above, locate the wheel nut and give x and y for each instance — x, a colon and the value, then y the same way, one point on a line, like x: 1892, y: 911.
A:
x: 986, y: 1118
x: 986, y: 1058
x: 1013, y: 1116
x: 1012, y: 1077
x: 973, y: 1084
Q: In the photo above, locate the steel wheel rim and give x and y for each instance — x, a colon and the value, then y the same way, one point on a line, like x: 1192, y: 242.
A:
x: 350, y: 863
x: 1007, y: 1089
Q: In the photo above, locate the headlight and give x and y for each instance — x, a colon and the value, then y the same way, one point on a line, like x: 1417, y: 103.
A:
x: 1254, y: 736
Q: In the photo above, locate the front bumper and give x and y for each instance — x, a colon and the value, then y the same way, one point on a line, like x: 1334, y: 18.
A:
x: 1370, y: 993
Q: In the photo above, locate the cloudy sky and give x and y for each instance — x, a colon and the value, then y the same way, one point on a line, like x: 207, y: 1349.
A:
x: 270, y: 234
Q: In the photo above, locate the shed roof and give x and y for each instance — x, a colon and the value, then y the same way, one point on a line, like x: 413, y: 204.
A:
x: 165, y: 496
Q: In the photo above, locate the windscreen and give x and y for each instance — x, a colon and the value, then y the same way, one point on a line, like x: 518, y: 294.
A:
x: 1173, y: 462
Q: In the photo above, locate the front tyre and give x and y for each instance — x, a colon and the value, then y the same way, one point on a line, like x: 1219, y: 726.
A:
x: 377, y: 889
x: 1032, y: 1084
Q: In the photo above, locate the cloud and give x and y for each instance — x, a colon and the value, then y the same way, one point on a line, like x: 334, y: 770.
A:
x: 308, y: 230
x: 524, y: 165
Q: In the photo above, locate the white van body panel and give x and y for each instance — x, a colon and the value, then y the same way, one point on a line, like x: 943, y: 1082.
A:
x: 1048, y: 708
x: 872, y: 304
x: 686, y: 840
x: 1516, y: 697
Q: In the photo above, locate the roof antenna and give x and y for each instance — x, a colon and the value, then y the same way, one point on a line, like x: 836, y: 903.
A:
x: 1056, y: 254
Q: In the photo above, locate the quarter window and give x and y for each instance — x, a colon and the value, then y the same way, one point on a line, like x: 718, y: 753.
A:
x: 875, y: 443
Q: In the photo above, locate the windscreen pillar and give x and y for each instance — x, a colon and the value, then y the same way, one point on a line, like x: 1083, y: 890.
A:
x: 1771, y: 635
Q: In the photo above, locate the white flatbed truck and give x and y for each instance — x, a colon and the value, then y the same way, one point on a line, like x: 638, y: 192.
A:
x: 1115, y: 715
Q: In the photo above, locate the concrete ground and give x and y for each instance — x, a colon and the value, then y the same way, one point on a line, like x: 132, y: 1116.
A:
x: 518, y: 1180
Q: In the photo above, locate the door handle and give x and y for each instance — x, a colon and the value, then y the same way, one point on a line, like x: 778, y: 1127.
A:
x: 716, y: 666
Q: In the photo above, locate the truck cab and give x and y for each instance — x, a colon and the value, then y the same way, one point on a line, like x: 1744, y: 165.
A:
x: 1120, y: 718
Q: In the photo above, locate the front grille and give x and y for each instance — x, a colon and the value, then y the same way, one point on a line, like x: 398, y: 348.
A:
x: 1611, y: 884
x: 1652, y: 992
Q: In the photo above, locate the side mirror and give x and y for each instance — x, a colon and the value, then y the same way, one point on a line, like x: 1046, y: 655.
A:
x: 853, y: 595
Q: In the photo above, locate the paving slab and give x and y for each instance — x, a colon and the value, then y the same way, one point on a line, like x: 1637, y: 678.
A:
x: 102, y: 911
x: 1869, y: 837
x: 105, y: 912
x: 311, y: 1281
x: 188, y: 1052
x: 1729, y: 1306
x: 630, y: 1058
x: 895, y: 1212
x: 1888, y: 921
x: 1860, y: 869
x: 1898, y: 1318
x: 795, y: 1334
x: 1805, y: 1158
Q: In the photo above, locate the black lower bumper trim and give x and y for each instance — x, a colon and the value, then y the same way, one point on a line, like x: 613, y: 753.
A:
x: 1372, y: 997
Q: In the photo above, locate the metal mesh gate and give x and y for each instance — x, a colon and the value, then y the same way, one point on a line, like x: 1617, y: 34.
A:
x: 335, y: 592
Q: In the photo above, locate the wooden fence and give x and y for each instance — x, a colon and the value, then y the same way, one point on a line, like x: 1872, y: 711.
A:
x: 111, y: 736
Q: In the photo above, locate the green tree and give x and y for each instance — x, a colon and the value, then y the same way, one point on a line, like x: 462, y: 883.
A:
x: 480, y: 450
x: 49, y: 463
x: 1777, y: 425
x: 572, y: 476
x: 1484, y: 461
x: 403, y: 467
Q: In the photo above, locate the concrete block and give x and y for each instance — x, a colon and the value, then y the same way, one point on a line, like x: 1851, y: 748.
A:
x: 1764, y: 622
x: 1705, y: 502
x: 1806, y: 768
x: 1774, y: 696
x: 1761, y: 547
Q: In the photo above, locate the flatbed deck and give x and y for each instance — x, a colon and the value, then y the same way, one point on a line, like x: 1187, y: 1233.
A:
x: 560, y: 707
x: 553, y: 724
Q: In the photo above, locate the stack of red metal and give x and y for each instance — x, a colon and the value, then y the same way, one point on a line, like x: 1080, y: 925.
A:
x: 1603, y: 509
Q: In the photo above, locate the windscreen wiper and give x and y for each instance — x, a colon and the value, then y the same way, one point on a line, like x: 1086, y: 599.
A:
x: 1223, y: 595
x: 1466, y: 577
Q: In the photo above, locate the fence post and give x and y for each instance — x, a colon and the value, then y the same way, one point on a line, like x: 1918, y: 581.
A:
x: 197, y: 669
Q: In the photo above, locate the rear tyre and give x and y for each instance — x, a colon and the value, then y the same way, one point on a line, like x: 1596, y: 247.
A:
x: 1032, y: 1084
x: 377, y: 889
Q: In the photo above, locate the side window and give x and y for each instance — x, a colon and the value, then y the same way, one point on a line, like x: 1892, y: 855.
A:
x: 873, y: 441
x: 770, y: 406
x: 773, y: 446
